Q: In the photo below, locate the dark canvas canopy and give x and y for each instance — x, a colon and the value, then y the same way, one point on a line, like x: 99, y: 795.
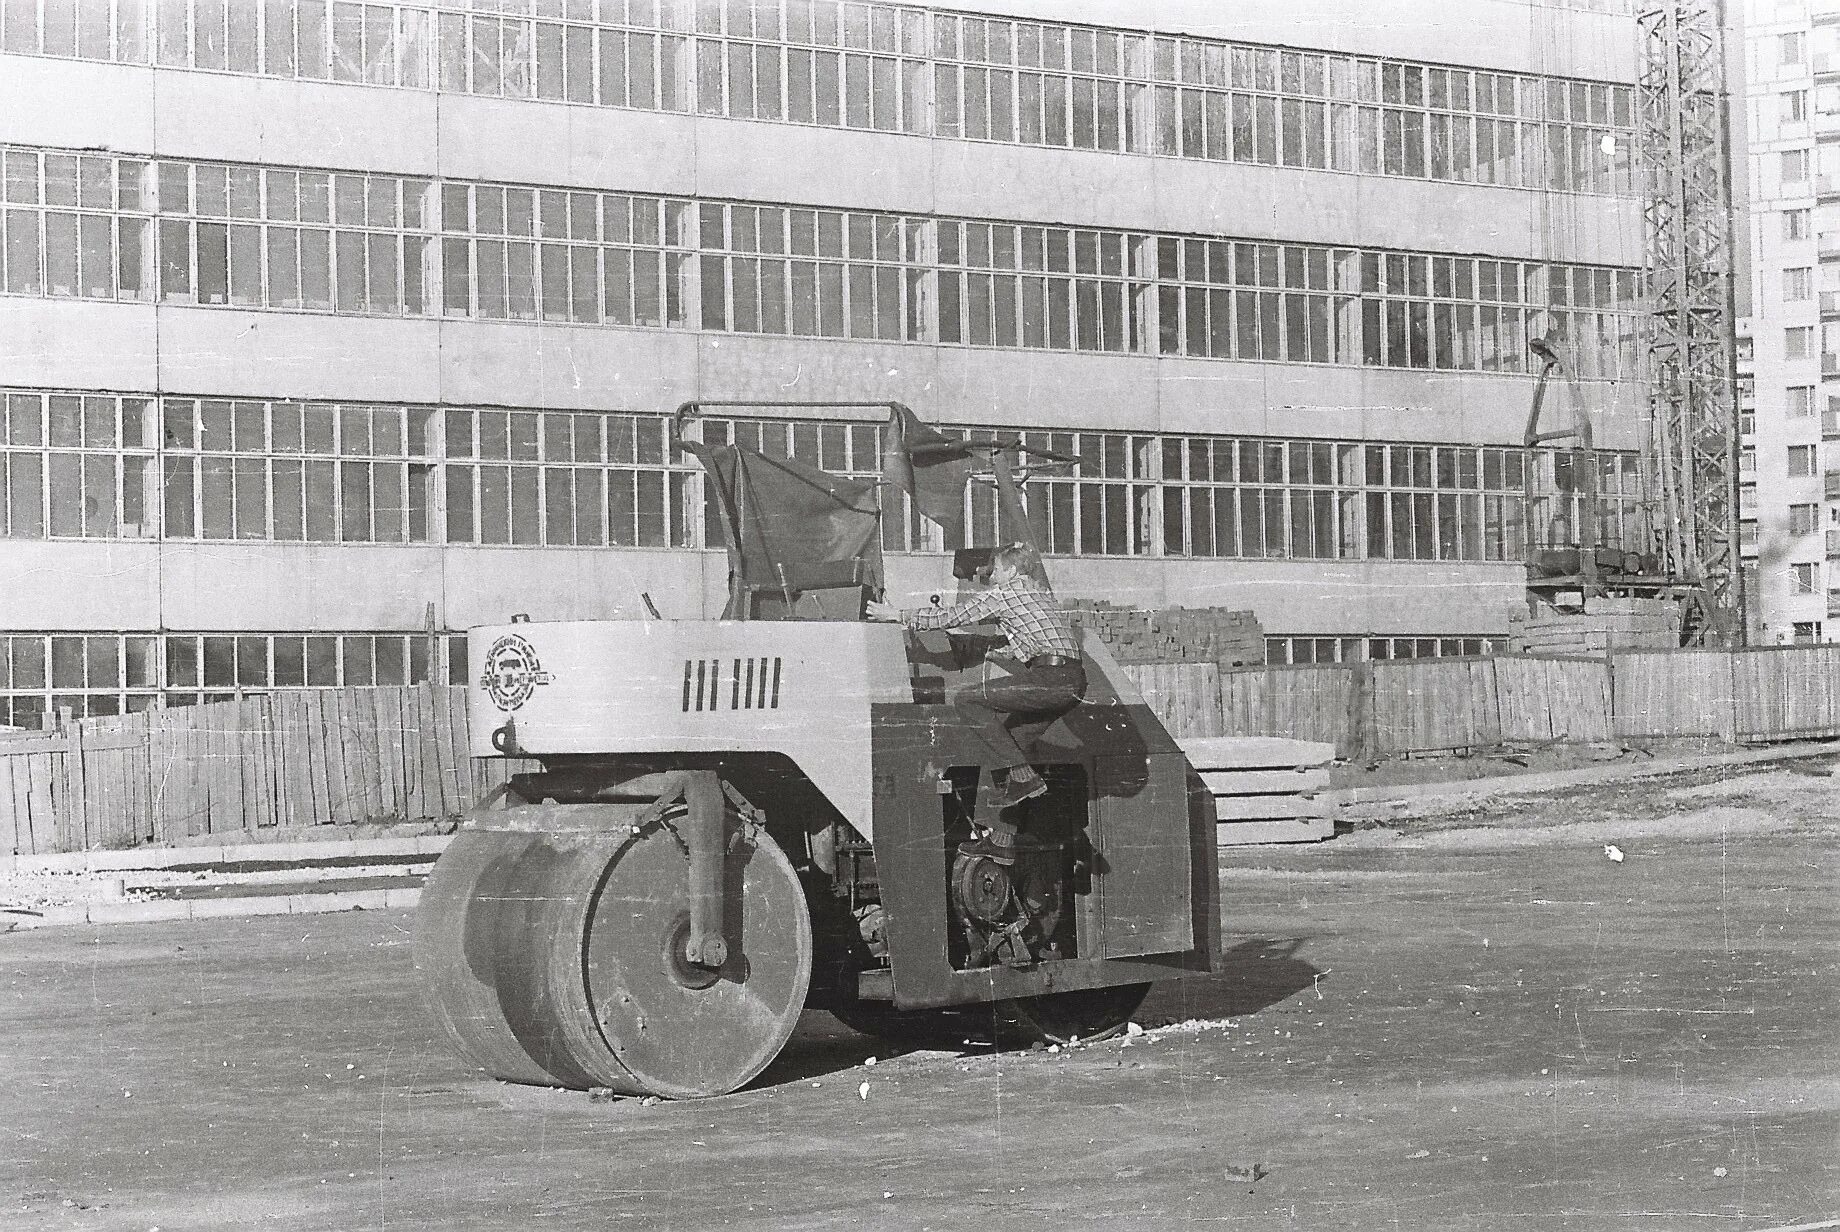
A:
x: 931, y: 467
x: 791, y: 528
x: 934, y: 468
x: 796, y: 532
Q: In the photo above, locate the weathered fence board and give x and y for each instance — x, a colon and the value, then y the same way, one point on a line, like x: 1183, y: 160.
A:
x: 1312, y: 704
x: 427, y: 802
x: 1660, y: 693
x: 1786, y: 692
x: 1422, y: 705
x: 1812, y: 690
x: 330, y: 737
x: 1553, y: 699
x: 1185, y: 695
x: 286, y: 761
x: 1304, y: 703
x: 13, y: 814
x: 44, y: 828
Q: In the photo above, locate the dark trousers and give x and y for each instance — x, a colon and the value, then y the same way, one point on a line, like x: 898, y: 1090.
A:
x: 1024, y: 703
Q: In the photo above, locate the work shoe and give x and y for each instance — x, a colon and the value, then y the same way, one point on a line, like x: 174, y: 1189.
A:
x: 1021, y: 785
x: 998, y: 846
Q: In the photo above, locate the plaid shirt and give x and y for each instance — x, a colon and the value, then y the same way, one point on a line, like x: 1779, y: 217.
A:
x: 1021, y: 609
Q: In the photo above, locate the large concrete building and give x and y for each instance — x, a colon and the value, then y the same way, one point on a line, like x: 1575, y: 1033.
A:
x: 1788, y: 159
x: 328, y: 329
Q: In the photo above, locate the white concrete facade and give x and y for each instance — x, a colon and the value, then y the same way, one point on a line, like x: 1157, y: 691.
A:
x: 184, y: 349
x: 1791, y: 164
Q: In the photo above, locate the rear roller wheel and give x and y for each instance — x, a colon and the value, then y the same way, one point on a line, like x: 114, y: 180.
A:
x: 1021, y: 1022
x: 939, y: 1030
x: 1061, y: 1017
x: 559, y: 959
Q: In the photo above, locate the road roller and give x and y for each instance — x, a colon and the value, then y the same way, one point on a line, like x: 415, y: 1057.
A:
x: 719, y: 824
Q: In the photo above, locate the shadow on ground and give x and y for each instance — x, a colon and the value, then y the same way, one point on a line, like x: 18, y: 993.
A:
x: 1253, y: 975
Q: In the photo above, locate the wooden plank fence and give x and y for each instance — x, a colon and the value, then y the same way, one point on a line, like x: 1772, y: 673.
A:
x: 307, y: 759
x: 1661, y: 693
x: 1186, y: 696
x: 1425, y: 704
x: 1302, y: 703
x: 1785, y: 692
x: 1429, y: 705
x: 1545, y: 700
x: 286, y: 760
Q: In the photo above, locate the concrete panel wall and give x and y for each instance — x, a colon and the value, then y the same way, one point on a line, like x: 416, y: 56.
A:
x: 1770, y: 489
x: 201, y: 115
x: 273, y: 587
x: 230, y: 352
x: 488, y: 585
x: 223, y: 351
x: 298, y: 586
x: 308, y: 123
x: 1293, y: 597
x: 36, y: 103
x: 1500, y: 34
x: 297, y: 355
x: 97, y: 585
x: 565, y: 366
x: 80, y: 344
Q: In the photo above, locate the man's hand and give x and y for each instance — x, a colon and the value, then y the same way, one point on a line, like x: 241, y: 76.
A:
x: 882, y: 611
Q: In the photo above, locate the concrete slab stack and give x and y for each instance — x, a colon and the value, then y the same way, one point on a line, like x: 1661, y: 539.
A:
x: 1267, y: 789
x: 1604, y: 625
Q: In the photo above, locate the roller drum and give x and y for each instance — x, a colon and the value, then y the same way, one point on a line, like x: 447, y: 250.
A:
x: 558, y: 959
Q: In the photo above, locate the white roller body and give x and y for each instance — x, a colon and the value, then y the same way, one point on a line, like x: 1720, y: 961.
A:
x: 801, y: 688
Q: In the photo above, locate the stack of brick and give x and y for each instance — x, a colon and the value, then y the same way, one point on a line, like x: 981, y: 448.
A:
x: 1174, y: 635
x: 1605, y: 624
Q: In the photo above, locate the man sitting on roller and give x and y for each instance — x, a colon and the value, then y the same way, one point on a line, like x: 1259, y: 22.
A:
x: 1050, y: 682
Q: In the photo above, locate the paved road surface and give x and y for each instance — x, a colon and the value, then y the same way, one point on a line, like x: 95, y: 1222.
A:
x: 1490, y: 1029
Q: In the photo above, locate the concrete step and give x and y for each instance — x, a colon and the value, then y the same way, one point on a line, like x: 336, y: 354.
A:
x: 171, y: 883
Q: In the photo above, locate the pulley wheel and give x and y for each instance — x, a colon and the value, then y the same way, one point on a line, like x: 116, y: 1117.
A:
x: 680, y: 1030
x: 982, y: 890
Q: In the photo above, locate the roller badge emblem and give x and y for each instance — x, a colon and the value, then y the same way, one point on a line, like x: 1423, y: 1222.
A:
x: 512, y: 672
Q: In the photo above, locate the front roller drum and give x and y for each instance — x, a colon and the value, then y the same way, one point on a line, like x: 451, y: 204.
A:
x: 560, y: 959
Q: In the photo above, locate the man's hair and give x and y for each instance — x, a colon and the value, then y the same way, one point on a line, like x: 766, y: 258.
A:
x: 1025, y: 560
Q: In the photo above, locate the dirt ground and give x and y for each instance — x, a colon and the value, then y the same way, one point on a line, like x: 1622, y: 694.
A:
x: 1473, y: 1020
x: 1396, y: 770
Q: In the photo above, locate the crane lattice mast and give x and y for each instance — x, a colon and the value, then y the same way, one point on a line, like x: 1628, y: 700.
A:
x: 1684, y: 136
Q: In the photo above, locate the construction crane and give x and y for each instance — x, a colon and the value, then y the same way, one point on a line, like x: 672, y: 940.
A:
x: 1690, y: 450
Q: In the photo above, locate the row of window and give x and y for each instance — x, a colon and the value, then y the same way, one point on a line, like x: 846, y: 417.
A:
x: 98, y: 226
x: 1296, y: 648
x: 898, y: 69
x: 106, y: 466
x: 91, y: 674
x: 77, y: 465
x: 1138, y: 494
